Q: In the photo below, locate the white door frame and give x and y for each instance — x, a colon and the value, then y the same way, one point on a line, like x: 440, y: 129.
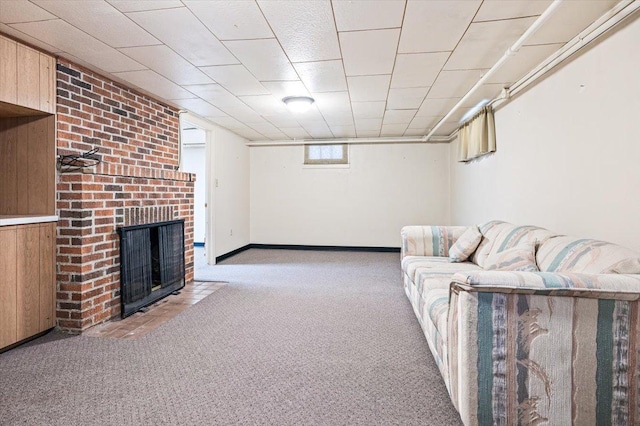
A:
x: 209, y: 128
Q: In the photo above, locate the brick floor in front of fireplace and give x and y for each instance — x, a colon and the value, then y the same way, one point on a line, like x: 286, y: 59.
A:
x: 157, y: 314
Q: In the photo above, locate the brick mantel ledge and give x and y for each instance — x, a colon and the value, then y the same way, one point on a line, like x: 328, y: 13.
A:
x: 138, y: 172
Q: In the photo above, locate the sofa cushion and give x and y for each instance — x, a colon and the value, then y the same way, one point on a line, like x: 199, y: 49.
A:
x: 436, y: 303
x: 568, y: 254
x: 519, y: 258
x: 411, y: 263
x: 498, y: 236
x: 439, y: 277
x: 465, y: 245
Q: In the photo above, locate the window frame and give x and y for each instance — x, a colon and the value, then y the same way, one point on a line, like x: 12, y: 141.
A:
x: 344, y: 161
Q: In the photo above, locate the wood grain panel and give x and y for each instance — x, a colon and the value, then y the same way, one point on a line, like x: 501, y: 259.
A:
x: 8, y: 166
x: 28, y: 77
x: 28, y: 291
x: 47, y: 83
x: 37, y: 167
x: 51, y: 162
x: 8, y: 287
x: 8, y: 71
x: 27, y: 165
x: 22, y: 168
x: 47, y: 276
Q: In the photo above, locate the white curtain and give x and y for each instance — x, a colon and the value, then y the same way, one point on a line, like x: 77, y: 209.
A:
x: 477, y: 136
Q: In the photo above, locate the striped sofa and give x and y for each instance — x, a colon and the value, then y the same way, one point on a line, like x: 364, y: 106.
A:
x: 558, y: 346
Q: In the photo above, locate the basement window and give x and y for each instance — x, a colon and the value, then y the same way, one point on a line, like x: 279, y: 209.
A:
x: 326, y: 154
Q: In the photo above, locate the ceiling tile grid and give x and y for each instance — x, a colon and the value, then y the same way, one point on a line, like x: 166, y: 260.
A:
x: 387, y: 68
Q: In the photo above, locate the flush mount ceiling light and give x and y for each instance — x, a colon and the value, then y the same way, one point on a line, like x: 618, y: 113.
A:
x: 298, y: 104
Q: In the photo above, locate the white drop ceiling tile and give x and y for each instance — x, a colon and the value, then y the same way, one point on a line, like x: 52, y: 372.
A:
x: 139, y: 5
x: 369, y: 52
x: 369, y: 88
x: 67, y: 38
x: 361, y: 15
x: 100, y: 20
x: 318, y: 130
x: 12, y: 12
x: 368, y: 124
x: 417, y: 69
x: 338, y: 119
x: 368, y: 109
x: 424, y: 122
x: 446, y: 129
x: 310, y: 117
x: 228, y: 123
x: 231, y: 20
x: 265, y: 105
x: 277, y: 136
x: 155, y: 83
x: 569, y: 19
x: 368, y: 133
x: 416, y: 131
x: 265, y: 128
x: 264, y: 58
x: 484, y: 94
x: 250, y: 134
x: 435, y: 26
x: 517, y: 66
x: 236, y: 79
x: 215, y: 95
x: 200, y: 107
x: 343, y: 131
x: 485, y: 42
x: 281, y: 121
x: 323, y: 76
x: 167, y: 63
x: 454, y: 83
x: 6, y: 29
x: 436, y: 107
x: 183, y: 32
x: 295, y: 132
x: 393, y: 129
x: 399, y: 116
x: 297, y: 22
x: 282, y: 89
x: 333, y: 102
x: 494, y: 10
x: 244, y: 114
x: 406, y: 98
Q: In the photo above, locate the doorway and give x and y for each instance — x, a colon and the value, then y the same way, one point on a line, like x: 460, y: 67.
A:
x: 196, y: 156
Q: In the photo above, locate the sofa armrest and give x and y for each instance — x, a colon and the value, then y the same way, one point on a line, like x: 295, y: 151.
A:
x: 600, y: 286
x: 519, y: 350
x: 429, y: 240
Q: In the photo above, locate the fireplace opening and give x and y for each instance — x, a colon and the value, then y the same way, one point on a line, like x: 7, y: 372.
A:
x: 152, y: 264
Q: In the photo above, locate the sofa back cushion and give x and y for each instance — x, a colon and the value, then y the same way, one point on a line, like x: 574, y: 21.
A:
x: 522, y: 257
x: 569, y: 254
x: 429, y: 240
x: 465, y: 245
x: 498, y: 236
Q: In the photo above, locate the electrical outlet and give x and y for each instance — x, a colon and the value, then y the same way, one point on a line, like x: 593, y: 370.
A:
x: 231, y: 233
x: 216, y: 182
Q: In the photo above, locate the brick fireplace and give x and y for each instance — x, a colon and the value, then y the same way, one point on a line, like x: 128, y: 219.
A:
x: 135, y: 183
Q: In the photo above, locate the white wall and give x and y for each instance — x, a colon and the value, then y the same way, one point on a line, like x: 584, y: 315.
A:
x: 231, y: 171
x: 385, y: 187
x: 568, y: 151
x: 194, y: 161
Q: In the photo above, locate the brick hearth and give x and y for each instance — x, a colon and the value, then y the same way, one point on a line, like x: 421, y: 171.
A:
x: 136, y: 183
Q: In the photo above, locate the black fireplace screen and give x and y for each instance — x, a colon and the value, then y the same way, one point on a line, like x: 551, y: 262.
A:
x: 151, y: 263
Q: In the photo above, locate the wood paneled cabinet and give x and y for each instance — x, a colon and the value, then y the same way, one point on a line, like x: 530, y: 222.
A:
x: 27, y: 281
x: 27, y: 78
